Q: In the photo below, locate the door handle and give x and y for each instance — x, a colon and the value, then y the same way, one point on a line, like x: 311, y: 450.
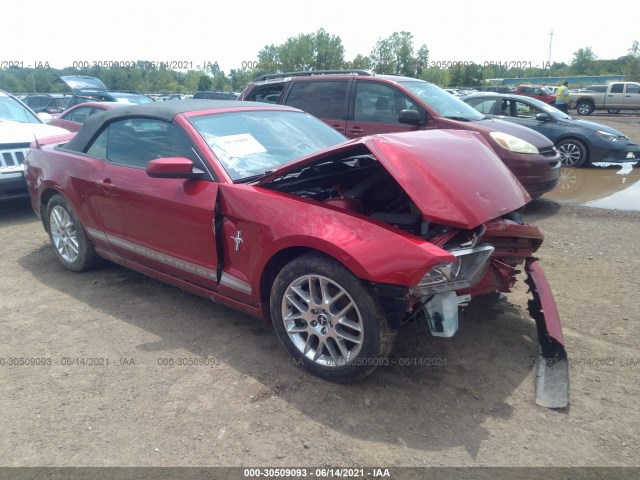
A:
x: 356, y: 130
x: 106, y: 183
x: 339, y: 128
x: 106, y: 187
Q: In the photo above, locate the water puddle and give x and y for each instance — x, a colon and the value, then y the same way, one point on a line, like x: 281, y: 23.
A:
x: 605, y: 185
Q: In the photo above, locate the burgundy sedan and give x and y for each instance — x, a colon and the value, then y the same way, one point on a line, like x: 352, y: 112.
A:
x: 269, y: 210
x: 73, y: 118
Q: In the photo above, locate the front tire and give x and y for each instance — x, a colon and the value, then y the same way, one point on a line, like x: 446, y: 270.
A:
x: 585, y: 108
x: 70, y: 244
x: 573, y: 153
x: 328, y: 320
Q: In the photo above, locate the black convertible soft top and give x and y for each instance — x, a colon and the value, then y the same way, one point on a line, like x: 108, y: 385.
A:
x: 160, y: 110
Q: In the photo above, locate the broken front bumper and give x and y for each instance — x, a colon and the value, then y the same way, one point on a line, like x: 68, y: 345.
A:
x: 552, y: 373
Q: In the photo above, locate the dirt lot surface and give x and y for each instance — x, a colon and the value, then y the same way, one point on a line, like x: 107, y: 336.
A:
x: 107, y: 389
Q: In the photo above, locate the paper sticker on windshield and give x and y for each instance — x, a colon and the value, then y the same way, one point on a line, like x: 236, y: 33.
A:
x: 239, y: 145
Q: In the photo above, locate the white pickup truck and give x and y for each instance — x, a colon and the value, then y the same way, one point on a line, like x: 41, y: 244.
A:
x: 613, y: 97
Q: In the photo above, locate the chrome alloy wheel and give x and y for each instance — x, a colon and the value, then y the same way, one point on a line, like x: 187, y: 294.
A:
x: 322, y: 320
x: 63, y: 234
x: 572, y: 153
x: 569, y: 154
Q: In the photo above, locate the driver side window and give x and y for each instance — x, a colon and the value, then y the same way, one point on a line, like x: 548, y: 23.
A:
x: 524, y: 110
x: 135, y: 141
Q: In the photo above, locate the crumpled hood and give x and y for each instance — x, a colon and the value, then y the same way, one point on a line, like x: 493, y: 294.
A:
x: 454, y: 177
x: 20, y: 132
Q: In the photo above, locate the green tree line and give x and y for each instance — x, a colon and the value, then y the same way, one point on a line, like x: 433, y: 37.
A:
x: 319, y: 50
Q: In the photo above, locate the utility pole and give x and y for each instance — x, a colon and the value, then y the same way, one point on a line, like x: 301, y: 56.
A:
x: 550, y: 41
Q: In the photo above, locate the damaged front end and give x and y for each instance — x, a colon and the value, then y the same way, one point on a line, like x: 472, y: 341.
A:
x: 469, y: 210
x: 489, y: 262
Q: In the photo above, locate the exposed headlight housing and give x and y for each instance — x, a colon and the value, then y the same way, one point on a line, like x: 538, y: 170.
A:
x: 466, y: 270
x: 610, y: 136
x: 513, y: 144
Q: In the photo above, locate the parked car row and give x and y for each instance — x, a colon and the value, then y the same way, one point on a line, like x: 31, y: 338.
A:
x: 210, y: 95
x: 361, y: 104
x: 84, y: 89
x: 357, y: 104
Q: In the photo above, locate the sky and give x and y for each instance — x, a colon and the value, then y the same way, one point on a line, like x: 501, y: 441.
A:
x: 62, y: 32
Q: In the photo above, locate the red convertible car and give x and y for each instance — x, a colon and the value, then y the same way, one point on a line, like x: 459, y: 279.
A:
x: 268, y: 210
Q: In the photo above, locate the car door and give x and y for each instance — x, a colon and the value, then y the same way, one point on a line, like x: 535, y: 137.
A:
x: 523, y: 113
x: 631, y: 96
x: 375, y: 108
x: 165, y: 224
x: 322, y: 98
x: 615, y: 97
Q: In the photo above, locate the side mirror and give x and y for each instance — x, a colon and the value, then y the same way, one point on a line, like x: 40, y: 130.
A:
x: 172, y: 167
x: 45, y: 117
x: 411, y: 117
x: 542, y: 117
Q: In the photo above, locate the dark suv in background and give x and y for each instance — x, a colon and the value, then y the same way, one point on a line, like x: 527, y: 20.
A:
x: 358, y: 103
x: 47, y: 103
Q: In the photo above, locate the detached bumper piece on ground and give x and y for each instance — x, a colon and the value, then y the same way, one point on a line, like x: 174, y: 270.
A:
x: 552, y: 372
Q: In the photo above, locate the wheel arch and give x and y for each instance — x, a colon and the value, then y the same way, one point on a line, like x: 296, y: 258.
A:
x: 45, y: 196
x: 393, y: 298
x: 573, y: 136
x: 585, y: 100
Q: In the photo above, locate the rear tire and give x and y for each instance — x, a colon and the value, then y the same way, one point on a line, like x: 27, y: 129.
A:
x: 328, y: 320
x: 585, y: 108
x: 70, y: 243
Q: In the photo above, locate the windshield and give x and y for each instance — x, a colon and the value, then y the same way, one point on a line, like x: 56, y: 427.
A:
x: 12, y: 110
x: 251, y: 143
x: 442, y: 102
